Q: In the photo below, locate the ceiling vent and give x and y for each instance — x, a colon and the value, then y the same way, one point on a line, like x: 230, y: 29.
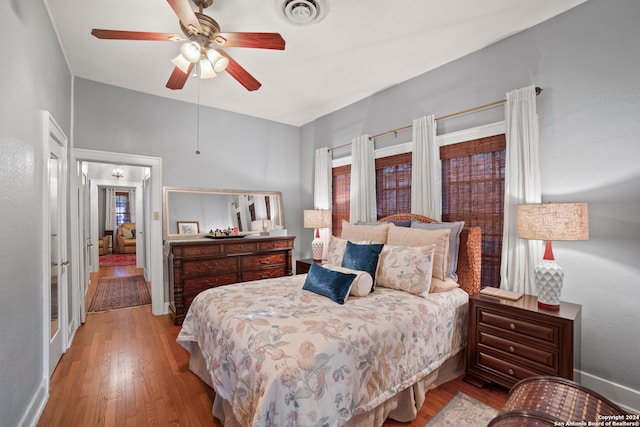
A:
x: 302, y: 12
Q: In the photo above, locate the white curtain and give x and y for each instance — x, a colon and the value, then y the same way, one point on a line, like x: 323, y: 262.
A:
x: 322, y: 190
x: 132, y: 205
x: 363, y: 181
x: 110, y: 209
x: 521, y: 185
x: 426, y: 179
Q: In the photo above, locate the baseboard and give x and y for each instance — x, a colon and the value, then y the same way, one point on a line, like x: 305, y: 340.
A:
x: 36, y: 406
x: 623, y: 396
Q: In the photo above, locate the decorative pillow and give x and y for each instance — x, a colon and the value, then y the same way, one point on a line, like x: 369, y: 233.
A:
x: 407, y: 268
x: 454, y: 240
x: 362, y: 258
x: 126, y: 233
x: 362, y: 284
x: 445, y: 285
x: 328, y: 283
x: 133, y: 233
x: 372, y: 233
x: 403, y: 236
x: 335, y: 250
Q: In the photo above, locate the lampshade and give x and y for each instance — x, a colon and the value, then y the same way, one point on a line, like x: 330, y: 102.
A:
x: 206, y: 69
x: 317, y: 218
x: 552, y: 221
x: 219, y: 62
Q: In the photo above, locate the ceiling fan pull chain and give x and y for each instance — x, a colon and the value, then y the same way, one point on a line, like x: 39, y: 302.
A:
x: 198, y: 122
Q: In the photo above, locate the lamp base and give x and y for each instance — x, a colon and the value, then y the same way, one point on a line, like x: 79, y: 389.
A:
x: 549, y: 280
x: 317, y: 246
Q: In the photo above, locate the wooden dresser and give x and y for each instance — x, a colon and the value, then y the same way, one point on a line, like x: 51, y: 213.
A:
x: 512, y: 340
x: 196, y: 265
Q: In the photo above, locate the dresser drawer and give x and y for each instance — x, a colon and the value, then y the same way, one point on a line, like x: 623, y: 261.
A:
x: 202, y: 283
x: 267, y: 273
x: 265, y: 260
x: 547, y: 358
x: 277, y: 244
x: 195, y: 251
x: 207, y: 266
x: 512, y: 371
x: 241, y: 247
x: 548, y: 333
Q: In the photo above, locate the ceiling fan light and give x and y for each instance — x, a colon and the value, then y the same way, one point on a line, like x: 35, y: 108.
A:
x: 206, y: 69
x: 219, y: 62
x: 180, y: 62
x: 191, y: 51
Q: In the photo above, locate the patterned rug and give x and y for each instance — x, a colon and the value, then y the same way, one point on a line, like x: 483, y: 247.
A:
x: 119, y: 292
x: 114, y: 260
x: 463, y: 411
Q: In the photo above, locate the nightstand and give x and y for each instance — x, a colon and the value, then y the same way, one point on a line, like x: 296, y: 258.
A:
x: 303, y: 265
x: 508, y: 341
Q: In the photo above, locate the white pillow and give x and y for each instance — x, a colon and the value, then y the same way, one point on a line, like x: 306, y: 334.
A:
x: 407, y: 268
x: 370, y: 233
x: 361, y: 285
x: 406, y: 236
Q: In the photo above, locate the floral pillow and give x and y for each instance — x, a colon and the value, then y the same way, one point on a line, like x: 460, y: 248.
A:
x: 335, y: 249
x: 406, y: 268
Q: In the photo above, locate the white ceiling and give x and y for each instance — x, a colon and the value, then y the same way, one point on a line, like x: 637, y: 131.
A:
x: 360, y: 48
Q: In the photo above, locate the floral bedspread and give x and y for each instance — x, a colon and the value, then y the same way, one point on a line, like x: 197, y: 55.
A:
x: 282, y: 356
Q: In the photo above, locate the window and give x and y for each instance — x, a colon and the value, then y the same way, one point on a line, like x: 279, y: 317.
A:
x: 123, y: 213
x: 341, y: 184
x: 473, y: 192
x: 393, y: 184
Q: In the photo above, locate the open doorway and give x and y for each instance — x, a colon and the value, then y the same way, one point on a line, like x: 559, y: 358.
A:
x: 149, y: 213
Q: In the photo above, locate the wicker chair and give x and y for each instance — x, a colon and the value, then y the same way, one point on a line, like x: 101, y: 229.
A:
x: 469, y: 261
x: 548, y: 401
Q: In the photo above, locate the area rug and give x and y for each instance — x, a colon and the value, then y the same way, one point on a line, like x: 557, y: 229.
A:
x: 114, y: 260
x: 463, y: 410
x: 119, y: 292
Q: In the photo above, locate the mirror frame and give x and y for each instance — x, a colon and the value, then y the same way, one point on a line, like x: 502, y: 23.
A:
x: 166, y: 191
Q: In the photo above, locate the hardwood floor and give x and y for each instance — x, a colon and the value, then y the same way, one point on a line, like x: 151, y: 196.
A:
x: 125, y: 369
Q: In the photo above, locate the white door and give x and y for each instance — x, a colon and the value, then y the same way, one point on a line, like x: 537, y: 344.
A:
x: 58, y: 260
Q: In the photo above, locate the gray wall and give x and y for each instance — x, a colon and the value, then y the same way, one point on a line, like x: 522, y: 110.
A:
x: 587, y: 60
x: 34, y: 78
x: 236, y: 151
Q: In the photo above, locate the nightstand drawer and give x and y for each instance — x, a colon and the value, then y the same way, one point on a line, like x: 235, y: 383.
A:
x: 527, y: 353
x: 511, y: 371
x: 519, y: 325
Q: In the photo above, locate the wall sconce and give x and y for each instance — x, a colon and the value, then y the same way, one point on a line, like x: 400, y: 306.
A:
x: 552, y: 221
x: 317, y: 219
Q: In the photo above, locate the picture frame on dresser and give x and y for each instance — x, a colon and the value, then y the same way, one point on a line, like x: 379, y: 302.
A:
x: 188, y: 227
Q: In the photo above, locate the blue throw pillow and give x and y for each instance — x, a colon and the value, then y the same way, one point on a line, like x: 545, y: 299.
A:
x: 362, y: 257
x: 328, y: 283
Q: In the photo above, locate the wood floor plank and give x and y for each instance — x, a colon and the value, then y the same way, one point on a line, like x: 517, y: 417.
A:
x: 126, y: 369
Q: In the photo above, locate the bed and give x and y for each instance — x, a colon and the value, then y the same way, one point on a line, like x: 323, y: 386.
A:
x: 278, y: 354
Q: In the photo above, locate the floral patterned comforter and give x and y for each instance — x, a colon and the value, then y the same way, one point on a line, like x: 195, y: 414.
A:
x: 282, y: 356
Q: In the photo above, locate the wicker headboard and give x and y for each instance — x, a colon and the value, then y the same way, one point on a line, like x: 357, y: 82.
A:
x: 469, y: 256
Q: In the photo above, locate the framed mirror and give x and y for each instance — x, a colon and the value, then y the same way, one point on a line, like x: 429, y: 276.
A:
x: 249, y: 211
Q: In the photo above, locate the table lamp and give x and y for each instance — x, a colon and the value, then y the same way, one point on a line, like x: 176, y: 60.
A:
x: 552, y: 221
x: 317, y: 218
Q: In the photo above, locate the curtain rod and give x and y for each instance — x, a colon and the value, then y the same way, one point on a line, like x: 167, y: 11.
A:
x: 446, y: 116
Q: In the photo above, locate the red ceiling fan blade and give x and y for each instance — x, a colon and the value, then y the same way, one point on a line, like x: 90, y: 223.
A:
x: 134, y: 35
x: 185, y: 13
x: 253, y: 40
x: 240, y: 74
x: 178, y: 78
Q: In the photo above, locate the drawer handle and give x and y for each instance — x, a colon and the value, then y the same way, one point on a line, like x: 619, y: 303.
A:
x: 264, y: 260
x: 512, y: 326
x: 511, y: 372
x: 512, y: 349
x: 264, y: 276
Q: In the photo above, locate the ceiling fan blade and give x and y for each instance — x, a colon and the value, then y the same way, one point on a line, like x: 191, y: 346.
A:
x: 253, y: 40
x: 240, y: 74
x: 134, y: 35
x: 178, y: 78
x: 186, y: 14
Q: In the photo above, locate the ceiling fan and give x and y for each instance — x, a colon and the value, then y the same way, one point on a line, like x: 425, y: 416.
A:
x: 203, y: 46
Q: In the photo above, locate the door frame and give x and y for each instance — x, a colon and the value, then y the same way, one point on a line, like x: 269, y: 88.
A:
x: 153, y: 224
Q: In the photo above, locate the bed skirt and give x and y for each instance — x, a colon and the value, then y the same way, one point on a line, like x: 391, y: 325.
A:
x: 402, y: 407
